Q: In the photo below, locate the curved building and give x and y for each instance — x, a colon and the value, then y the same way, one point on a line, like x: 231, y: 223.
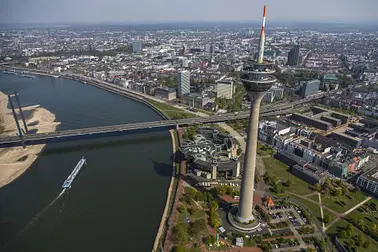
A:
x: 212, y: 154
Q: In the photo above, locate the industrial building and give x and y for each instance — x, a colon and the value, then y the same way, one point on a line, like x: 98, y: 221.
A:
x: 183, y: 83
x: 225, y: 89
x: 165, y: 93
x: 369, y: 181
x: 308, y: 88
x: 212, y: 154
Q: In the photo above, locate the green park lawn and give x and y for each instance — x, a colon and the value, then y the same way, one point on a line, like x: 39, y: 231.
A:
x: 333, y: 231
x: 264, y: 150
x: 314, y: 197
x: 170, y: 111
x: 281, y: 171
x: 343, y: 203
x: 197, y: 215
x: 365, y: 213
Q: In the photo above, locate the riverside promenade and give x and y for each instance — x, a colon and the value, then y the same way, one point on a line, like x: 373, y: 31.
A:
x: 165, y: 216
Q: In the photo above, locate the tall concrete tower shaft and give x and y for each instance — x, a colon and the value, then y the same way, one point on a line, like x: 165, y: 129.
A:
x: 257, y: 78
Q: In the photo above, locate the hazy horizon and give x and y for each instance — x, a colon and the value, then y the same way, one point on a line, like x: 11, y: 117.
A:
x: 170, y: 11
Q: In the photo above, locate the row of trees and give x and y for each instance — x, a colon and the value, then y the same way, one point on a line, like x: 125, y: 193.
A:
x: 334, y: 188
x: 214, y: 216
x: 352, y: 239
x: 226, y: 190
x: 370, y: 230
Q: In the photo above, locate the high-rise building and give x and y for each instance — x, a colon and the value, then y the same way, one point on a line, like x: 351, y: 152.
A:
x: 293, y: 57
x: 212, y: 49
x: 184, y: 50
x: 207, y: 48
x: 184, y: 62
x: 257, y: 78
x: 183, y: 83
x: 225, y: 89
x: 308, y: 88
x: 137, y: 46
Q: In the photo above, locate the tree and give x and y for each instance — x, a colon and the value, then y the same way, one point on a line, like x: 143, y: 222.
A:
x: 239, y: 151
x: 326, y: 218
x: 192, y: 210
x: 374, y: 228
x: 359, y: 240
x: 288, y: 183
x: 277, y: 188
x: 180, y: 248
x: 345, y: 191
x: 360, y: 223
x: 181, y: 208
x: 349, y: 230
x: 339, y: 192
x: 208, y: 197
x: 311, y: 249
x: 351, y: 242
x: 342, y: 234
x: 318, y: 187
x: 210, y: 239
x: 221, y: 190
x: 214, y: 206
x: 366, y: 244
x: 215, y: 223
x: 180, y: 233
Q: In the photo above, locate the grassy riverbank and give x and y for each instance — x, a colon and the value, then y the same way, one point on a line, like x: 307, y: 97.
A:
x: 170, y: 111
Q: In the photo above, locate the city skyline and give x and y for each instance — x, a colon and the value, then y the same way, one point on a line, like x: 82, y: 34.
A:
x: 85, y: 11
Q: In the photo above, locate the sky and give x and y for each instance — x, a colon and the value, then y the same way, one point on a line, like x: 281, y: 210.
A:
x: 99, y: 11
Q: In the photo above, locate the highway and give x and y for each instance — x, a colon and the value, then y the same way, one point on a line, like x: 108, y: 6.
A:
x: 134, y: 128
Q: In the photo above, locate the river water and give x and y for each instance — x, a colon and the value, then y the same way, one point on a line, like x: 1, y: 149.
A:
x: 117, y: 200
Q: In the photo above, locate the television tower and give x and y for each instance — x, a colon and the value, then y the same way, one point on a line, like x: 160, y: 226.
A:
x: 257, y: 78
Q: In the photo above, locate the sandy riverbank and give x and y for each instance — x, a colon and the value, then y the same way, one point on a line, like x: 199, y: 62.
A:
x: 14, y: 161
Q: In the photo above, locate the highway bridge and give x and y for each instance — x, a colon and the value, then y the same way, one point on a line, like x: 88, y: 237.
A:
x: 117, y: 130
x: 144, y: 127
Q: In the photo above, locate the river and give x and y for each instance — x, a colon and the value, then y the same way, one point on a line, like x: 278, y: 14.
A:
x: 115, y: 203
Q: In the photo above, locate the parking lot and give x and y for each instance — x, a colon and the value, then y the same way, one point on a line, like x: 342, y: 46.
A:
x: 290, y: 213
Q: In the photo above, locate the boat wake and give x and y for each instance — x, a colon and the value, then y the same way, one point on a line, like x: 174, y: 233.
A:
x: 37, y: 216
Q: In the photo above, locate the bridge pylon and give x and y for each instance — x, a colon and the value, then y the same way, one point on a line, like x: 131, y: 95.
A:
x: 17, y: 124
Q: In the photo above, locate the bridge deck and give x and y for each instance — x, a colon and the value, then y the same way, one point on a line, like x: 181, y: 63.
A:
x: 133, y: 128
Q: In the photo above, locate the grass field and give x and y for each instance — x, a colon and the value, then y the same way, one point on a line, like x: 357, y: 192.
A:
x: 264, y: 150
x: 325, y: 211
x: 365, y: 213
x: 332, y: 232
x: 170, y: 111
x: 314, y: 197
x: 335, y: 202
x: 281, y: 171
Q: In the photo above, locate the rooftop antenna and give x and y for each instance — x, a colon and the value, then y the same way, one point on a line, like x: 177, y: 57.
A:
x: 262, y: 39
